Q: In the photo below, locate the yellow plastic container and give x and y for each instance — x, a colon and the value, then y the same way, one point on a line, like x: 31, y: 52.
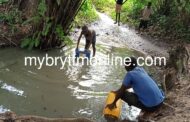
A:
x: 114, y: 113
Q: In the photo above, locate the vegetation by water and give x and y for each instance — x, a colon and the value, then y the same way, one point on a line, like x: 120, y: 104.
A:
x: 87, y: 14
x: 45, y: 23
x: 51, y: 27
x: 169, y: 18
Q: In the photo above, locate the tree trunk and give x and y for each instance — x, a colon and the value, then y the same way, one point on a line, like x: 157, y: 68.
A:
x: 178, y: 65
x: 54, y: 19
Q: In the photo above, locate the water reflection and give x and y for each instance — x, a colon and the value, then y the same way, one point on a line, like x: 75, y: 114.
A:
x: 11, y: 89
x: 75, y: 91
x: 3, y: 110
x: 85, y: 94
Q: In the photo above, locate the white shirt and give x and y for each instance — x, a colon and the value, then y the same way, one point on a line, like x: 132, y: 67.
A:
x: 146, y: 13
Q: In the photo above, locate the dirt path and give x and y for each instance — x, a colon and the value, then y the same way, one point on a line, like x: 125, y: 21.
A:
x: 123, y: 36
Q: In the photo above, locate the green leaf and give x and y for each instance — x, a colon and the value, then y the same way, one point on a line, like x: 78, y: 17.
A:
x: 37, y: 43
x: 46, y: 29
x: 37, y: 40
x: 3, y: 1
x: 25, y: 43
x: 33, y: 19
x: 59, y: 32
x: 68, y: 41
x: 42, y: 8
x: 31, y: 45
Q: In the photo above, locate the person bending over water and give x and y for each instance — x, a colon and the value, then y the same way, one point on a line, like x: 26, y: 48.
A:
x: 90, y: 36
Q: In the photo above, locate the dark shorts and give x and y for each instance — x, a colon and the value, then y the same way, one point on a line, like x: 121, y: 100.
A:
x: 143, y: 24
x: 132, y: 100
x: 120, y: 2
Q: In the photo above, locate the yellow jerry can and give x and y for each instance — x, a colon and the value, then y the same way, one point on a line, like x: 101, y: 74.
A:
x: 114, y: 113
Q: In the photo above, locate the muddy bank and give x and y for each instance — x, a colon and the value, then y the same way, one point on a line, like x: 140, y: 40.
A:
x: 176, y: 107
x: 12, y: 117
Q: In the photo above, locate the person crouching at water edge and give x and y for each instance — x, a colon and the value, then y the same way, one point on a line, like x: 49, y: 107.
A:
x: 119, y: 4
x: 90, y: 36
x: 146, y: 96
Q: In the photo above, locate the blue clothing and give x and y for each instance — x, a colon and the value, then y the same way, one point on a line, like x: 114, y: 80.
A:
x: 144, y: 87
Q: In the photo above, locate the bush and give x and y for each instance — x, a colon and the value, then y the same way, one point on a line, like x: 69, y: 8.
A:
x: 87, y: 14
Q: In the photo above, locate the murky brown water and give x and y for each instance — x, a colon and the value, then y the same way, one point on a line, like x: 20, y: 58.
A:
x: 75, y: 91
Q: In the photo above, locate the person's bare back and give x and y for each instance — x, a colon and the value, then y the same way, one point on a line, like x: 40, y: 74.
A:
x: 90, y: 36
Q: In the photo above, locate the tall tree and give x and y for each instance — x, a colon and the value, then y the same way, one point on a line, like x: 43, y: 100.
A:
x: 51, y: 21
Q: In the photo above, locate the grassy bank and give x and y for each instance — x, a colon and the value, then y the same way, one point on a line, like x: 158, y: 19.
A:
x: 169, y: 17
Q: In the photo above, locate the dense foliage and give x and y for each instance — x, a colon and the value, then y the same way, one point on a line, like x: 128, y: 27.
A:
x: 3, y: 1
x: 170, y: 16
x: 86, y: 14
x: 48, y: 22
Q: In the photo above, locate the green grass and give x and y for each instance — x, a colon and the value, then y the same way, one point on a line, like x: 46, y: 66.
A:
x: 87, y: 14
x: 130, y: 10
x: 3, y: 1
x: 107, y: 6
x: 131, y: 13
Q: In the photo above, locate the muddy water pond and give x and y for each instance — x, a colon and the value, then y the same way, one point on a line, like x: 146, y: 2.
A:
x: 74, y: 91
